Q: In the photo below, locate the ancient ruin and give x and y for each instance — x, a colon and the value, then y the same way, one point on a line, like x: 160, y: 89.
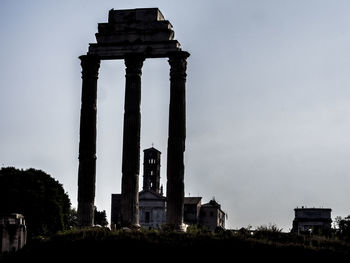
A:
x: 133, y: 35
x: 13, y: 232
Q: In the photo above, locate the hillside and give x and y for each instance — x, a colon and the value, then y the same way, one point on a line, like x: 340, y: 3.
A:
x: 103, y: 244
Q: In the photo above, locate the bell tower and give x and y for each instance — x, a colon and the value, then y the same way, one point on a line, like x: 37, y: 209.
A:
x: 151, y: 170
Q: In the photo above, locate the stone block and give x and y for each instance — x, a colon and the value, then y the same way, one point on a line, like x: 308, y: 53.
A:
x: 13, y: 232
x: 138, y: 14
x: 147, y: 49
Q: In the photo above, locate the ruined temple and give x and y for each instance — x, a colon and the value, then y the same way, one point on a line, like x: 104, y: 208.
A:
x: 133, y: 35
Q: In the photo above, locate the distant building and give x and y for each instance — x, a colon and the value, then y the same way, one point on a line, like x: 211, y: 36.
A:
x: 151, y: 170
x: 13, y: 232
x: 212, y: 216
x: 311, y: 219
x: 192, y: 206
x: 152, y: 202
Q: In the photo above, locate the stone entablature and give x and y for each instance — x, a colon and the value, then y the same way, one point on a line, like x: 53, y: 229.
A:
x: 142, y: 30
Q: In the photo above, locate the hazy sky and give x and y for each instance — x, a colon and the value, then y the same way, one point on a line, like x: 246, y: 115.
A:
x: 268, y: 110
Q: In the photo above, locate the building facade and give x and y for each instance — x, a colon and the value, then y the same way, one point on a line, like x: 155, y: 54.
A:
x: 152, y: 209
x: 192, y: 206
x: 211, y: 216
x: 311, y: 219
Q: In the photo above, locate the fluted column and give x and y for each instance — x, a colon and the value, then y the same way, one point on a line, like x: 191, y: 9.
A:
x: 87, y: 145
x: 176, y: 140
x: 131, y: 142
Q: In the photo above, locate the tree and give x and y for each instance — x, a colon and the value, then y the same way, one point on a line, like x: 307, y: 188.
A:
x: 73, y: 218
x: 100, y: 217
x: 36, y: 195
x: 343, y: 227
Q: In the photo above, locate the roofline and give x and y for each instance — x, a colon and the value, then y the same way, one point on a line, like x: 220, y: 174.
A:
x: 152, y: 148
x: 312, y: 208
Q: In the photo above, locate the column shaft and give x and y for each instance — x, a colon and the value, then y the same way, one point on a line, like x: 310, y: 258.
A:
x: 131, y: 142
x: 87, y: 145
x: 176, y: 140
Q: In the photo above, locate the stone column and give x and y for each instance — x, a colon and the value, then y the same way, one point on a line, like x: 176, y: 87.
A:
x: 131, y: 142
x: 87, y: 145
x: 176, y: 140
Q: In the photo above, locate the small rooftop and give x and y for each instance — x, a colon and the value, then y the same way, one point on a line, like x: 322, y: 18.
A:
x: 212, y: 203
x: 312, y: 209
x: 192, y: 200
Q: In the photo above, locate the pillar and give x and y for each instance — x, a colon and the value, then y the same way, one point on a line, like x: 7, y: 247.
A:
x: 87, y: 145
x: 176, y: 140
x: 131, y: 142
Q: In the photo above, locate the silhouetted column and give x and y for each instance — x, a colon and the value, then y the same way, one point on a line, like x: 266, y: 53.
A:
x: 87, y: 145
x: 131, y: 142
x: 176, y: 140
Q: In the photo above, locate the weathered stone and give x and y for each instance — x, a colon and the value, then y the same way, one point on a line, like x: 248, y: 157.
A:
x: 176, y: 140
x: 138, y: 14
x: 133, y: 35
x: 148, y: 49
x: 13, y: 232
x: 131, y: 141
x: 87, y: 145
x: 124, y: 27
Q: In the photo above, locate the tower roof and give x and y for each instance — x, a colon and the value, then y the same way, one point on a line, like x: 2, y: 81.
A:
x: 151, y: 149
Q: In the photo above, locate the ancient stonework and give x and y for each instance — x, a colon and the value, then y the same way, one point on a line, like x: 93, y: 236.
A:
x: 87, y: 145
x: 133, y: 35
x: 13, y: 232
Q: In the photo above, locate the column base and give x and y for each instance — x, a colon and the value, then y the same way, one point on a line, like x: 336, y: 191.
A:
x: 85, y: 215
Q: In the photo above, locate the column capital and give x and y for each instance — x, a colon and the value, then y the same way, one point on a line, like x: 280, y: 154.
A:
x: 178, y: 63
x: 90, y: 65
x: 134, y: 63
x: 179, y: 54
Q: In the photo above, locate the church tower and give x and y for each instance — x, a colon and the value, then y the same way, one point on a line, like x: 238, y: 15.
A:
x: 151, y: 170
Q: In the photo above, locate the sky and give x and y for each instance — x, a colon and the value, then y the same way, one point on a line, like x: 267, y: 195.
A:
x: 268, y: 112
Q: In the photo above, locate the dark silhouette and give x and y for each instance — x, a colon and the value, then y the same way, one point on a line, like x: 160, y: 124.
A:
x: 100, y: 218
x: 343, y: 230
x: 37, y: 196
x: 102, y: 244
x: 133, y: 35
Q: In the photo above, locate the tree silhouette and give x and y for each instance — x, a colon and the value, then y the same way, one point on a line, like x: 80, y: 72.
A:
x: 100, y: 217
x: 36, y: 195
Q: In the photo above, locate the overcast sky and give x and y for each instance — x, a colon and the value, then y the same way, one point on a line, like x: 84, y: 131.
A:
x: 268, y: 101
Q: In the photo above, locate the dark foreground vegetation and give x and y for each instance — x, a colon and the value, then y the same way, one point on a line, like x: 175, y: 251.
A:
x: 49, y: 215
x: 103, y: 244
